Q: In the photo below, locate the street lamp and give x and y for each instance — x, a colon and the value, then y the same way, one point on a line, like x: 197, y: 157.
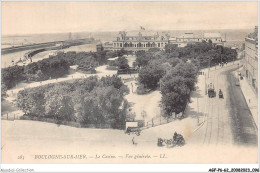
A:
x: 209, y: 66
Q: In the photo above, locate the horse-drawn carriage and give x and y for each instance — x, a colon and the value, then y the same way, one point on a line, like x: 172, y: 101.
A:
x: 177, y: 140
x: 220, y: 94
x: 135, y: 130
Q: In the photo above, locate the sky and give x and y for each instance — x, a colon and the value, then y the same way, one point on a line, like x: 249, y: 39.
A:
x: 60, y: 17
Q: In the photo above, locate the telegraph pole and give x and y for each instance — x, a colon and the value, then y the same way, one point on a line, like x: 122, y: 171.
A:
x: 209, y: 66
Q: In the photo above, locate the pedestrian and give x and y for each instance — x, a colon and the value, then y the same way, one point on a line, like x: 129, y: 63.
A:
x: 249, y: 100
x: 133, y: 140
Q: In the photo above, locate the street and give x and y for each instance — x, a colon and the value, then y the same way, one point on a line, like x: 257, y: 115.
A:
x: 228, y: 121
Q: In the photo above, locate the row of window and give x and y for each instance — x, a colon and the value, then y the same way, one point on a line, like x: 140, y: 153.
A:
x: 199, y: 39
x: 251, y: 51
x: 140, y: 45
x: 137, y: 38
x: 251, y: 61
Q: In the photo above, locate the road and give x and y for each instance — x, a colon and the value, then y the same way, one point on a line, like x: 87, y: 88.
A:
x: 228, y: 121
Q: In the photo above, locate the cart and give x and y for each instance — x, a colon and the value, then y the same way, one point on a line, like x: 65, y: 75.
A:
x: 135, y: 130
x: 220, y: 94
x: 211, y: 93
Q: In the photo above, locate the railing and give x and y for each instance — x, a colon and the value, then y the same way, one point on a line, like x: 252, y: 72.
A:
x: 160, y: 120
x: 10, y: 116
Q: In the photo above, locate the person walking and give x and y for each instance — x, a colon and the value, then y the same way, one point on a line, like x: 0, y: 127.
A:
x: 133, y: 140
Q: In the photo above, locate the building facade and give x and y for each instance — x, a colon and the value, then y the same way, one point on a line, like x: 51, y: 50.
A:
x: 144, y: 40
x: 190, y: 38
x: 251, y: 58
x: 140, y: 40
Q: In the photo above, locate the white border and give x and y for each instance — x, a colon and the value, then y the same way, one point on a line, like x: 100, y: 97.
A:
x: 127, y: 167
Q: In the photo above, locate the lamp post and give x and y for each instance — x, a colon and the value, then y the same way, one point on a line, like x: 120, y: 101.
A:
x: 209, y: 66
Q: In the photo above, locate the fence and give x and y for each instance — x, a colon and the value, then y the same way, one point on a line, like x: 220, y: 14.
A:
x: 10, y: 116
x: 159, y: 120
x: 156, y: 121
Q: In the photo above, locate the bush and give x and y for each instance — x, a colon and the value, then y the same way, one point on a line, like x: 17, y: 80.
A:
x: 150, y: 75
x: 12, y: 75
x: 86, y: 101
x: 122, y: 63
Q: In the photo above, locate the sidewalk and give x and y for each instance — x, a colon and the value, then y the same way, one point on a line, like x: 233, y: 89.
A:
x: 251, y: 98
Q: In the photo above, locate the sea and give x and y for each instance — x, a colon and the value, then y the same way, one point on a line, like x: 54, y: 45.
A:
x: 235, y: 37
x: 18, y: 40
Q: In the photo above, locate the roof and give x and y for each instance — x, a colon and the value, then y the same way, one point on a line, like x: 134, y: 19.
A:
x: 212, y: 35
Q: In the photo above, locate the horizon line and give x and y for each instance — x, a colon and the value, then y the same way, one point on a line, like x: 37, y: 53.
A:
x: 24, y: 34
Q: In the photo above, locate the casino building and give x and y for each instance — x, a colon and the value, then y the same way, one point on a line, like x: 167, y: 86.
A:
x: 144, y: 40
x: 140, y: 40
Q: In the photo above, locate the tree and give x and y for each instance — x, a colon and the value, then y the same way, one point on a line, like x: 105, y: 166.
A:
x: 31, y: 68
x: 171, y: 48
x: 175, y: 94
x: 102, y: 105
x: 150, y: 75
x: 59, y: 106
x: 188, y: 71
x: 12, y: 75
x: 142, y: 59
x: 122, y: 63
x: 173, y: 61
x: 31, y: 101
x: 87, y: 64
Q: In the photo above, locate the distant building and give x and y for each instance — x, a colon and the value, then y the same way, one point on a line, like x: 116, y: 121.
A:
x: 144, y: 40
x: 251, y: 58
x: 108, y: 46
x: 99, y: 47
x: 140, y: 40
x: 190, y: 38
